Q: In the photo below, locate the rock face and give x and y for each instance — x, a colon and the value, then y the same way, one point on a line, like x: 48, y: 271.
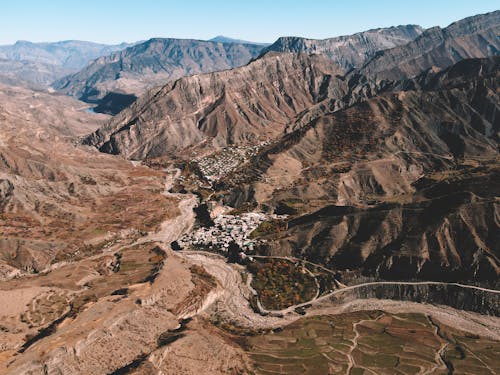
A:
x: 152, y: 63
x: 476, y: 300
x: 247, y: 105
x: 37, y: 65
x: 472, y: 37
x: 350, y: 51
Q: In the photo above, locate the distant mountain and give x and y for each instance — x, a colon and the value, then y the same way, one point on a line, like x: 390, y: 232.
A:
x: 350, y: 51
x: 37, y: 65
x: 472, y: 37
x: 225, y: 39
x: 152, y: 63
x: 70, y: 54
x: 30, y: 74
x: 277, y: 93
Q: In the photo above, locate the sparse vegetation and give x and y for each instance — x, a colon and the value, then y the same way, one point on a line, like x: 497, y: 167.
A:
x: 269, y: 227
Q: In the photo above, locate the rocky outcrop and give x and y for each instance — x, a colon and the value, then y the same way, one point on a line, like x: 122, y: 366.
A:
x: 350, y: 51
x: 6, y: 190
x: 152, y: 63
x: 473, y: 37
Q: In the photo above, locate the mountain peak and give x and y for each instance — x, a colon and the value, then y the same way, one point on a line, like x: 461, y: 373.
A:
x: 226, y: 39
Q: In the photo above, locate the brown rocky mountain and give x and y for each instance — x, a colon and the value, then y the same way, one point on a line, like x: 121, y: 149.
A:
x: 401, y: 185
x: 151, y: 63
x: 472, y: 37
x: 255, y: 103
x: 247, y: 105
x: 350, y: 51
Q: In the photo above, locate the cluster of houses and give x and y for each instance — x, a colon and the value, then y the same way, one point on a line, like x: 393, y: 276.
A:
x: 226, y: 229
x: 225, y: 161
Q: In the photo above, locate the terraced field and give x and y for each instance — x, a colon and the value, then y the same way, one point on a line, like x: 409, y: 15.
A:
x: 372, y: 342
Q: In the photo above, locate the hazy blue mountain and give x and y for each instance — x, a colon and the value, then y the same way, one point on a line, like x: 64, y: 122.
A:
x: 225, y: 39
x: 69, y: 54
x: 37, y: 65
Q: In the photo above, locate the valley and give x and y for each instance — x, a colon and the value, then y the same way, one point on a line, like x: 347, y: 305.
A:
x: 308, y: 206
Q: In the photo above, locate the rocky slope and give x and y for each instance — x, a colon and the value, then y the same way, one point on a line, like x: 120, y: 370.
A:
x: 260, y: 101
x: 248, y: 105
x: 402, y: 185
x: 152, y: 63
x: 472, y: 37
x: 350, y: 51
x: 59, y: 200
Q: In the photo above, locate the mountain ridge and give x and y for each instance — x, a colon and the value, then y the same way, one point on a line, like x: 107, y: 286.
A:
x: 471, y: 37
x: 349, y: 51
x: 155, y: 61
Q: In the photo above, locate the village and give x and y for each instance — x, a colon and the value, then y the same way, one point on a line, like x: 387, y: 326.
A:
x: 228, y: 229
x: 226, y: 160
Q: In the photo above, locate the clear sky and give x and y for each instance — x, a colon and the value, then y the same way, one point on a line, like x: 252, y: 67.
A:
x: 113, y: 21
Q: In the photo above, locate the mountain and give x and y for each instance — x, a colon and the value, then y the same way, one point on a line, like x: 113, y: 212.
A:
x: 274, y: 94
x: 401, y: 185
x: 151, y: 63
x: 225, y: 39
x: 349, y: 51
x: 30, y: 74
x: 69, y: 54
x: 248, y: 105
x: 37, y: 65
x: 472, y: 37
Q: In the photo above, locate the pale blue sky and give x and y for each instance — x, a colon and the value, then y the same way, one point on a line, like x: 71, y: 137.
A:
x: 113, y: 21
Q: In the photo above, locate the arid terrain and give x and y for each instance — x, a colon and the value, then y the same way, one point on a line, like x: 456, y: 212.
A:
x: 304, y: 207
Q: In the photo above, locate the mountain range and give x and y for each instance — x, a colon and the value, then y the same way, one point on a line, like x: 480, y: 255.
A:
x: 157, y: 61
x: 354, y: 180
x: 350, y: 51
x: 147, y: 64
x: 346, y: 138
x: 37, y: 65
